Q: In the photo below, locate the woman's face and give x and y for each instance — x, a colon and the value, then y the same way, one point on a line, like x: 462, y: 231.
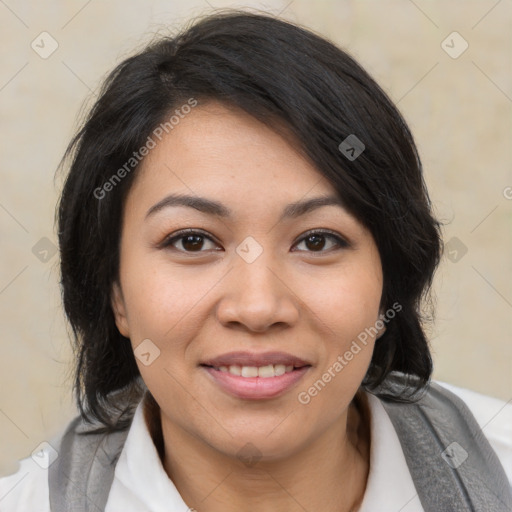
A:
x: 233, y: 324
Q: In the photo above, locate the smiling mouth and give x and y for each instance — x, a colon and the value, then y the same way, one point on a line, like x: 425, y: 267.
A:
x: 250, y: 382
x: 255, y: 376
x: 264, y: 372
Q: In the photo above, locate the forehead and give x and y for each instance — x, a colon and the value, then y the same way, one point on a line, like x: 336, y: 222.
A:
x: 223, y: 151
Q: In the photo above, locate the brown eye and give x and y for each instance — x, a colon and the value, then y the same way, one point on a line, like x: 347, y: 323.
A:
x: 192, y: 242
x: 315, y: 242
x: 189, y: 241
x: 318, y: 240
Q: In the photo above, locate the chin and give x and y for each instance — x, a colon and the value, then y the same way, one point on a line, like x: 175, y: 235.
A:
x: 264, y: 441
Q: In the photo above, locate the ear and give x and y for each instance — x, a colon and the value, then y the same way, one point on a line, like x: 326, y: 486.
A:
x: 119, y: 309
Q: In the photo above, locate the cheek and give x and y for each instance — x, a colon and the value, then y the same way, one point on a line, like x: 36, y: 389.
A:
x: 347, y: 310
x: 348, y: 301
x: 162, y: 301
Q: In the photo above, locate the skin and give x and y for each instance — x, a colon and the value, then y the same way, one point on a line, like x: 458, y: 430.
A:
x: 296, y: 297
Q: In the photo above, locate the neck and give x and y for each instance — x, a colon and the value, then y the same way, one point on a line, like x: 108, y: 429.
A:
x: 340, y: 459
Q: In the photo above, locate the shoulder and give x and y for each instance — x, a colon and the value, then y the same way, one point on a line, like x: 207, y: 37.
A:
x: 60, y: 464
x: 445, y: 447
x: 28, y: 488
x: 494, y: 418
x: 448, y: 411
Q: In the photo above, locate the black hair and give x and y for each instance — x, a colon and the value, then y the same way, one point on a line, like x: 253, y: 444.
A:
x: 283, y: 75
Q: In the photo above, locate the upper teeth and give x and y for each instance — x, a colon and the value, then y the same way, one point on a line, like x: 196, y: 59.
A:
x: 271, y: 370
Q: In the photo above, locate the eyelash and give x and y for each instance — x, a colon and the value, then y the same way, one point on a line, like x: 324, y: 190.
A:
x: 169, y: 241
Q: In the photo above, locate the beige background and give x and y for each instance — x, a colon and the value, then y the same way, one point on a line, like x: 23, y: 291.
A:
x: 459, y: 110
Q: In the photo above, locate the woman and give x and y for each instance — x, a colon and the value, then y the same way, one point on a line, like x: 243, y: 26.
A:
x: 246, y: 239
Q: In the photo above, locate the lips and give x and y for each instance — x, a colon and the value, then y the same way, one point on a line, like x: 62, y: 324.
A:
x: 258, y: 360
x: 256, y: 376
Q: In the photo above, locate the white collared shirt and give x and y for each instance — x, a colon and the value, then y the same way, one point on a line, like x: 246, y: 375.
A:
x: 142, y: 485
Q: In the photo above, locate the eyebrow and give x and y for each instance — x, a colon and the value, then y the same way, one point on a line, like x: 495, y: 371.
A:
x: 211, y: 207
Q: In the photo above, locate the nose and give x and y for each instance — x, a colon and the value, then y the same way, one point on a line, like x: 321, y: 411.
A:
x: 257, y: 297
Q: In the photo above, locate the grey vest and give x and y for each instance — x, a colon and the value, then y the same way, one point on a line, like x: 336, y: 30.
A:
x: 453, y: 467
